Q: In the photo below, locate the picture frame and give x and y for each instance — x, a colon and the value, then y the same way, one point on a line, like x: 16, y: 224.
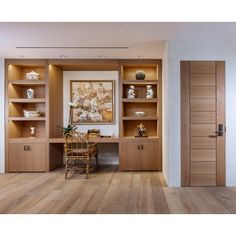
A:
x: 93, y: 101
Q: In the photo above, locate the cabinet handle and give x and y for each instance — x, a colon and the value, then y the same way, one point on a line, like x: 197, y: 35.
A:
x: 141, y: 147
x: 25, y: 148
x: 29, y: 148
x: 138, y: 147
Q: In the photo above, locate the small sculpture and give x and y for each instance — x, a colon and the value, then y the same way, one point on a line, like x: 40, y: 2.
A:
x: 150, y: 92
x: 131, y: 93
x: 140, y: 75
x: 141, y: 131
x: 32, y: 132
x: 30, y: 93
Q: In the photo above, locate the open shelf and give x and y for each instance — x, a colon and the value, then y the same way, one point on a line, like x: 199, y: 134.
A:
x: 139, y: 118
x: 26, y: 100
x: 140, y: 100
x: 19, y: 129
x: 140, y: 82
x: 130, y: 127
x: 27, y: 118
x: 28, y: 82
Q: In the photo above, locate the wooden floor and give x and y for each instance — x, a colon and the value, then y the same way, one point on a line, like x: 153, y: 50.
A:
x: 108, y: 191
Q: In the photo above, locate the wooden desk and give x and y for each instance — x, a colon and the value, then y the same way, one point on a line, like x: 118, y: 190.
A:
x: 96, y: 140
x: 56, y: 149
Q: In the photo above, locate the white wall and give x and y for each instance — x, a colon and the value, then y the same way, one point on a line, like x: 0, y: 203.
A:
x: 2, y: 126
x: 203, y: 50
x: 108, y: 154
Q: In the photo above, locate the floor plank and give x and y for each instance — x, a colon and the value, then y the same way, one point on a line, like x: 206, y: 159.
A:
x: 108, y: 191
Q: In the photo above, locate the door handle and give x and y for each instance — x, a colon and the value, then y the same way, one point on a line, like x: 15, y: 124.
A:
x: 220, y: 132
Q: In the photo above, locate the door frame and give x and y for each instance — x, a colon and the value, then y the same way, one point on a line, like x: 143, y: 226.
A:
x: 185, y: 128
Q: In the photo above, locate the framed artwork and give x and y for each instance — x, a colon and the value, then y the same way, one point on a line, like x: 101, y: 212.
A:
x: 93, y: 101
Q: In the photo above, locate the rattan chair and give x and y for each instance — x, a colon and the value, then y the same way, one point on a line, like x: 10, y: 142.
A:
x: 79, y: 153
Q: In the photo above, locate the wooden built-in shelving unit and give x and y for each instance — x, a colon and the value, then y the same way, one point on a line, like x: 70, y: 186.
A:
x: 46, y: 152
x: 133, y: 149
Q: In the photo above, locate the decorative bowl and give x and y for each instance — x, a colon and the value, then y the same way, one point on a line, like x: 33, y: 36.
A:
x: 140, y: 75
x: 139, y: 113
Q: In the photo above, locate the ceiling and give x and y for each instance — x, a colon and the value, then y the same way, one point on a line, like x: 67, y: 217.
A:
x: 144, y: 40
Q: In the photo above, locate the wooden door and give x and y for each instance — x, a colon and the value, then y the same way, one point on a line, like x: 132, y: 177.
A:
x: 37, y: 157
x: 149, y: 159
x: 202, y: 117
x: 19, y: 159
x: 130, y: 155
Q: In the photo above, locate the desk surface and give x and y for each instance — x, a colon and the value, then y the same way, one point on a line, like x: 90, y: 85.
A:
x: 96, y: 140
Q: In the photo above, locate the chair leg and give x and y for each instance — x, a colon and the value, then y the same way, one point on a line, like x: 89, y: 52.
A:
x: 97, y: 161
x: 87, y: 168
x: 66, y: 171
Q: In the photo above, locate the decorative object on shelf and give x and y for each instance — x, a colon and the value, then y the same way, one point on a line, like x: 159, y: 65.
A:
x: 93, y: 133
x: 30, y: 93
x: 32, y: 75
x: 141, y: 131
x: 139, y: 113
x: 140, y: 75
x: 150, y: 92
x: 67, y: 130
x: 32, y: 132
x: 29, y: 114
x: 131, y: 93
x: 94, y: 101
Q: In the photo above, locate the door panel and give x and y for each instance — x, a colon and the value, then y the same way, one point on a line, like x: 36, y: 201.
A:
x: 37, y: 157
x: 203, y: 180
x: 207, y: 104
x: 19, y: 159
x: 202, y: 143
x: 149, y: 159
x: 202, y: 92
x: 203, y: 167
x: 203, y: 117
x: 202, y: 130
x: 202, y: 67
x: 202, y: 79
x: 202, y: 85
x: 130, y: 156
x: 203, y: 155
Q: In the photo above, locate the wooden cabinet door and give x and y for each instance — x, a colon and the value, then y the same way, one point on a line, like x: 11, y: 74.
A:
x: 149, y: 156
x: 37, y: 157
x: 19, y: 158
x: 130, y: 156
x: 25, y: 157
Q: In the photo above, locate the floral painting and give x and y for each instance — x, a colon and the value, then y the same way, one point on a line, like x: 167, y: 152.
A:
x: 93, y: 102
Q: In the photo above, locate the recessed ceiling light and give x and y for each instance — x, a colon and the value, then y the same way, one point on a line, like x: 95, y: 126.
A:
x: 101, y: 56
x: 22, y: 56
x: 63, y: 56
x: 140, y: 56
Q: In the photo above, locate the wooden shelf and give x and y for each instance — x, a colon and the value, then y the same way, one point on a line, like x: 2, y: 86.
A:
x: 28, y: 82
x: 140, y: 82
x: 27, y: 140
x: 140, y: 118
x: 134, y: 138
x: 26, y: 100
x: 27, y: 119
x: 141, y: 100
